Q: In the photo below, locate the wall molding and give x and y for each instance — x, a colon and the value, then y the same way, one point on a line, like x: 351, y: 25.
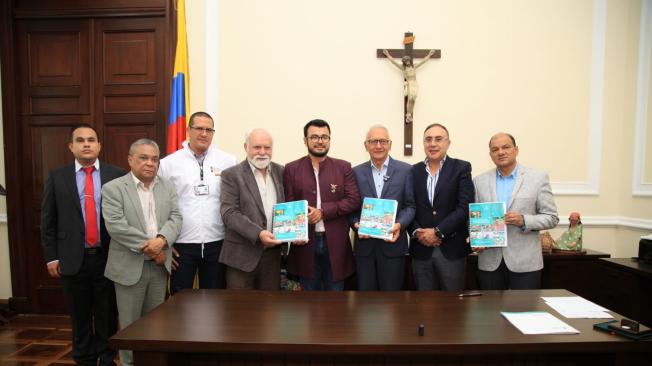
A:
x: 591, y: 187
x: 611, y: 221
x: 639, y: 186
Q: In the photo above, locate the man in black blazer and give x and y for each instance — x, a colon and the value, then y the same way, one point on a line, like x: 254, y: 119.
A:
x: 77, y: 252
x: 380, y: 264
x: 443, y: 190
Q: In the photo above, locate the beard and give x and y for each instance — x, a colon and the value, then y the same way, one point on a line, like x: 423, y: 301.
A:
x: 260, y: 162
x: 317, y: 153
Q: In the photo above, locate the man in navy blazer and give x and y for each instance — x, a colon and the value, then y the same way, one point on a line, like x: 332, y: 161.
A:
x: 76, y: 255
x: 380, y: 264
x: 443, y: 190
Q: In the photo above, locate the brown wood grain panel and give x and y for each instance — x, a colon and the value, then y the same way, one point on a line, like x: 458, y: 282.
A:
x: 54, y: 58
x: 130, y: 103
x: 55, y: 105
x: 130, y: 57
x: 53, y: 77
x: 118, y: 139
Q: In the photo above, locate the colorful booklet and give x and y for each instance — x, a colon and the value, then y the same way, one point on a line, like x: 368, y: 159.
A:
x: 290, y: 221
x: 487, y: 227
x: 377, y: 217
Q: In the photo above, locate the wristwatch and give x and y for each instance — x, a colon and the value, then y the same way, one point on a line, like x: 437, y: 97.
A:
x: 164, y: 239
x: 439, y: 234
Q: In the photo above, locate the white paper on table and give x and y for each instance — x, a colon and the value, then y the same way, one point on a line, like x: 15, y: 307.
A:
x: 538, y: 322
x: 577, y: 307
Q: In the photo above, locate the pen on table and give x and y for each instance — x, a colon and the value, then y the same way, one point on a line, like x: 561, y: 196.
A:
x: 469, y: 294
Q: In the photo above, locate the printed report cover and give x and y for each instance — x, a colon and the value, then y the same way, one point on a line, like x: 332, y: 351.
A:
x: 377, y: 217
x: 487, y: 225
x: 290, y: 221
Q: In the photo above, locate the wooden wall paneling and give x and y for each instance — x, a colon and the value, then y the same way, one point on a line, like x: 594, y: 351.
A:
x: 131, y: 78
x: 64, y: 62
x: 54, y: 63
x: 89, y: 8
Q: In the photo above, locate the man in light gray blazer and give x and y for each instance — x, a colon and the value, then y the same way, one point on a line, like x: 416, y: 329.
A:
x: 141, y: 215
x: 530, y: 208
x: 248, y: 194
x: 380, y: 264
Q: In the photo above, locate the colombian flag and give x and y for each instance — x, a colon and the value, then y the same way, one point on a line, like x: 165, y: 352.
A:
x: 179, y: 102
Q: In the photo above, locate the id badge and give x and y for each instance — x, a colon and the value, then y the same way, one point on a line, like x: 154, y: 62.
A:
x: 201, y: 190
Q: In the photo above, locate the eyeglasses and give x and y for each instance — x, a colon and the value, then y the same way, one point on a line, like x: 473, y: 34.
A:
x: 437, y: 140
x: 203, y: 129
x: 315, y: 138
x: 382, y: 142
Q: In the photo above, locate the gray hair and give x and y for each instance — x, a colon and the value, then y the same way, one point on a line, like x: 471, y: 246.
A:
x: 139, y: 142
x: 374, y: 127
x: 248, y: 135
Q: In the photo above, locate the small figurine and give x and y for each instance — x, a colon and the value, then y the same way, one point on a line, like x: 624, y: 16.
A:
x: 571, y: 239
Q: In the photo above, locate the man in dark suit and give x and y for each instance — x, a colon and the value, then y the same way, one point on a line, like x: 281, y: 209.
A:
x: 380, y: 263
x: 249, y: 191
x: 443, y: 190
x: 329, y: 186
x: 74, y: 251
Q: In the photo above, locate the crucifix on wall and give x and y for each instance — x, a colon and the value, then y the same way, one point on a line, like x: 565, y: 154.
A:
x: 410, y: 86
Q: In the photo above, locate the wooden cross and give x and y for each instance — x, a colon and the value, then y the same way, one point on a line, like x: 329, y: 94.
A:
x: 410, y: 52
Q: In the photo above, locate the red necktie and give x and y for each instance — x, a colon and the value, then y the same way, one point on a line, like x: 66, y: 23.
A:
x: 89, y: 206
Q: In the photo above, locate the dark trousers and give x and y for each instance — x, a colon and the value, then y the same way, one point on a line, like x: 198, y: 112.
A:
x: 192, y: 259
x: 93, y: 312
x: 503, y: 279
x: 439, y: 273
x: 379, y: 272
x: 323, y: 278
x: 266, y: 275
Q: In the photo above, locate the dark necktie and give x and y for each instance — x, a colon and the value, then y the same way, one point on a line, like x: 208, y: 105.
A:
x: 89, y: 206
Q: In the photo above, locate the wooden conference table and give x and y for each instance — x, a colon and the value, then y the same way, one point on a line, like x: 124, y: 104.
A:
x: 218, y: 327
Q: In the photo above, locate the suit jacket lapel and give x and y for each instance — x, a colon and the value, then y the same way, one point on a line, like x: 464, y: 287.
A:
x: 492, y: 188
x: 71, y: 184
x: 444, y: 172
x: 421, y: 181
x: 390, y: 173
x: 369, y: 175
x: 517, y: 186
x: 276, y: 177
x: 130, y: 188
x: 252, y: 186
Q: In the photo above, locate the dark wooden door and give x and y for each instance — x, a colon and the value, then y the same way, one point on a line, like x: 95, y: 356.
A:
x: 108, y: 71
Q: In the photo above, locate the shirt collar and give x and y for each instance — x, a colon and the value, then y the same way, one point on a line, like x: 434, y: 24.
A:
x: 255, y: 170
x: 79, y: 166
x: 139, y: 182
x: 513, y: 174
x: 385, y: 164
x: 441, y: 165
x: 186, y: 146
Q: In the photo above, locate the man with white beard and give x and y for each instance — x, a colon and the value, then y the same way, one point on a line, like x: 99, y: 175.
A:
x: 249, y: 191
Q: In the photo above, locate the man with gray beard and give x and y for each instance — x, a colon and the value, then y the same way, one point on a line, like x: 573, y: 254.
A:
x: 249, y: 191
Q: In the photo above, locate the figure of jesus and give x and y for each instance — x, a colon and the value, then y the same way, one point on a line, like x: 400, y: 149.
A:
x: 410, y: 85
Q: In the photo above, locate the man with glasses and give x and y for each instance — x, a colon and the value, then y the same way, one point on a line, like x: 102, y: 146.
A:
x: 142, y: 216
x: 380, y: 264
x: 329, y: 186
x: 196, y: 171
x: 443, y: 190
